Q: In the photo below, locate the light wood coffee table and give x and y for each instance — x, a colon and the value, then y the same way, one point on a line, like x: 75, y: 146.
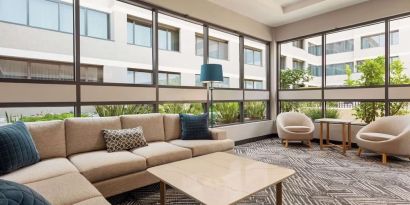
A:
x: 346, y: 139
x: 220, y: 178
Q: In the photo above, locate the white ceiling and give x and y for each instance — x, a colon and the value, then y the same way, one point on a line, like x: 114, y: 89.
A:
x: 279, y: 12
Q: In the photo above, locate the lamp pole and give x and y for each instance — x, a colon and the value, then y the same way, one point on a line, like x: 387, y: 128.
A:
x: 211, y: 88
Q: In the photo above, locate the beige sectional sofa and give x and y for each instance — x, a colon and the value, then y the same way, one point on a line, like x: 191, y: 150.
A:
x: 75, y: 168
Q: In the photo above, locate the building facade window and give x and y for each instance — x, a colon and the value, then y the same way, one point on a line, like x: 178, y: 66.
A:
x: 314, y: 49
x: 253, y: 84
x: 253, y: 56
x: 340, y: 47
x: 168, y: 38
x: 169, y: 78
x: 139, y: 77
x: 299, y: 44
x: 58, y: 16
x: 315, y: 70
x: 91, y: 73
x: 298, y: 64
x: 338, y: 69
x: 218, y: 48
x: 378, y: 40
x: 282, y: 62
x: 139, y: 32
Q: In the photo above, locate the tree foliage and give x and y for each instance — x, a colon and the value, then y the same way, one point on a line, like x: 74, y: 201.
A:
x: 294, y: 78
x: 373, y: 74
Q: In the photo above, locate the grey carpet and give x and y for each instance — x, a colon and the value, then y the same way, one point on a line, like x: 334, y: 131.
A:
x: 323, y: 177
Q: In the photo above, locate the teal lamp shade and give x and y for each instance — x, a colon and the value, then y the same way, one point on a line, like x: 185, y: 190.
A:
x: 211, y: 73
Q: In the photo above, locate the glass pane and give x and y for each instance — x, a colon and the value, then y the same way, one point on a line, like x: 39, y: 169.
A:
x: 255, y: 110
x: 82, y: 21
x: 257, y: 58
x: 116, y: 57
x: 162, y: 79
x: 97, y: 24
x: 66, y: 18
x: 199, y: 46
x: 45, y: 71
x: 13, y: 69
x: 14, y: 11
x: 301, y: 66
x: 255, y: 69
x: 399, y: 52
x: 39, y: 18
x: 400, y: 108
x: 248, y: 84
x: 142, y: 35
x: 248, y: 56
x: 162, y: 39
x: 34, y: 114
x: 310, y: 109
x: 143, y: 78
x: 178, y: 108
x: 226, y: 43
x: 181, y: 66
x: 213, y: 49
x: 359, y: 112
x: 351, y: 66
x: 115, y: 110
x: 130, y: 32
x: 226, y: 112
x: 174, y: 79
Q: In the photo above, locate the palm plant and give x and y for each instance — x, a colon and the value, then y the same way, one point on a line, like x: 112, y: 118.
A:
x: 255, y: 110
x: 226, y: 112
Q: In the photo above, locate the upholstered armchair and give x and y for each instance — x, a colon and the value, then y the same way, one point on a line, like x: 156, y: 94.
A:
x: 294, y: 126
x: 386, y: 136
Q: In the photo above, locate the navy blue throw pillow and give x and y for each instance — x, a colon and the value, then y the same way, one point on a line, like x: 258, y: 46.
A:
x: 194, y: 127
x: 17, y: 148
x: 12, y: 193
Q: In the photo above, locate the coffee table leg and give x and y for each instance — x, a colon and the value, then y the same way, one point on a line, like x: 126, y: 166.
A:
x: 279, y: 193
x: 163, y: 189
x: 344, y: 138
x: 327, y: 133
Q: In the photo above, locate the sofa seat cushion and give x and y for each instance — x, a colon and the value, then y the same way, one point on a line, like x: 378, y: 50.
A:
x: 202, y: 147
x: 101, y: 165
x: 94, y: 201
x: 42, y: 170
x: 67, y: 189
x: 374, y: 136
x: 12, y: 193
x: 300, y: 129
x: 158, y: 153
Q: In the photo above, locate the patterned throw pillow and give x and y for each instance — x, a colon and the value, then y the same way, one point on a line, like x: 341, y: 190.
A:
x: 124, y: 139
x: 194, y: 127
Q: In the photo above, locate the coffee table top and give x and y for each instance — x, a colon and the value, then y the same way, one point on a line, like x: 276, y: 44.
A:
x: 220, y: 178
x: 335, y: 121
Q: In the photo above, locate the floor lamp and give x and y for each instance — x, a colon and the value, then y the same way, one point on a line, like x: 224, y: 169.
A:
x: 211, y: 73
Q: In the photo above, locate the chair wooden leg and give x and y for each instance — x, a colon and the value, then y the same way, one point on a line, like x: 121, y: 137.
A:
x: 309, y: 144
x: 359, y: 151
x: 286, y: 143
x: 384, y: 158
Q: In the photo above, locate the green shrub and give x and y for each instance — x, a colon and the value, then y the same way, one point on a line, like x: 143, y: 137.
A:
x: 191, y: 108
x: 255, y: 110
x: 38, y: 117
x: 226, y: 113
x: 116, y: 110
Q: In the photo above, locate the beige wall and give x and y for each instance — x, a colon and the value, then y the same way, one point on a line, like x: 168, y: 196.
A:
x: 367, y: 11
x: 215, y: 14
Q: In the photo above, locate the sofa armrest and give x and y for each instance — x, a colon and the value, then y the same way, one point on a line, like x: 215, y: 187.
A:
x: 218, y: 134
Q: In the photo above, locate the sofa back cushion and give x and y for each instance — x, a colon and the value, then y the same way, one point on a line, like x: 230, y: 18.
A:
x: 152, y: 125
x: 49, y: 138
x: 172, y: 125
x: 86, y: 134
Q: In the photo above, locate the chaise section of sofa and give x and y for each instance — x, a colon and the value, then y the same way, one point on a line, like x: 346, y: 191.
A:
x: 54, y: 177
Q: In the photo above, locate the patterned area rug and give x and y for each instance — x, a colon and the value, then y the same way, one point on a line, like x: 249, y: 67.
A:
x: 323, y: 177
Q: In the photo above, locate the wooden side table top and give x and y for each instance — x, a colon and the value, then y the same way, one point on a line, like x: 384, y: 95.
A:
x: 334, y: 121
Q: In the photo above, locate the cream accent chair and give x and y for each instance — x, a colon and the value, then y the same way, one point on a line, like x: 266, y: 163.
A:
x: 294, y: 126
x: 387, y: 136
